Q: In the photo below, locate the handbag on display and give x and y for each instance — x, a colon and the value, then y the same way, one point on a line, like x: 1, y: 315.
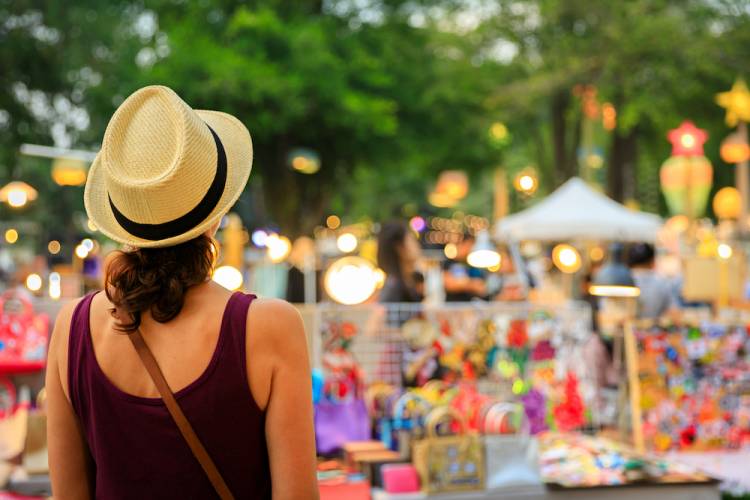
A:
x: 512, y: 453
x: 409, y: 413
x: 340, y: 420
x: 449, y: 463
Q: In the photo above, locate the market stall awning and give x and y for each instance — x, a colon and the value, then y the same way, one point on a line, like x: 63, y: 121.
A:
x: 575, y: 211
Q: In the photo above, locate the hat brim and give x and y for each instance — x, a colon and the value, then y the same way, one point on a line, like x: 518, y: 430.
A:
x: 239, y: 150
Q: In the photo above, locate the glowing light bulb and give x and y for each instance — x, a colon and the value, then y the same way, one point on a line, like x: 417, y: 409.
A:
x: 11, y: 236
x: 34, y: 282
x: 687, y: 140
x: 347, y: 242
x: 725, y: 251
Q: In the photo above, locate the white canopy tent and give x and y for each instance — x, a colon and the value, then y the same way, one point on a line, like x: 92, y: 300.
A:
x: 575, y: 211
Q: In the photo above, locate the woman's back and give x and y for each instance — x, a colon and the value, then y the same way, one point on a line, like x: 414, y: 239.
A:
x: 219, y: 356
x: 205, y: 363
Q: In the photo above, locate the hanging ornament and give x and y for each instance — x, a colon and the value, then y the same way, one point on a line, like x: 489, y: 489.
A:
x: 687, y: 139
x: 686, y: 183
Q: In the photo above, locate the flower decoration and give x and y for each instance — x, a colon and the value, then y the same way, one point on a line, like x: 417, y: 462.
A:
x: 569, y: 414
x: 518, y: 336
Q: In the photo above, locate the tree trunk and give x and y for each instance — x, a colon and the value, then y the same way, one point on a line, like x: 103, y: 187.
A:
x: 621, y: 170
x: 565, y: 147
x: 560, y: 103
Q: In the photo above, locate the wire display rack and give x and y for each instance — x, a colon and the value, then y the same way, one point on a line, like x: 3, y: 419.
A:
x: 379, y: 346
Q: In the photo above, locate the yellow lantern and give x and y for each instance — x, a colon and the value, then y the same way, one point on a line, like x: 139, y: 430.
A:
x: 453, y: 183
x: 734, y: 149
x: 736, y: 102
x: 69, y: 172
x: 727, y: 203
x: 441, y: 200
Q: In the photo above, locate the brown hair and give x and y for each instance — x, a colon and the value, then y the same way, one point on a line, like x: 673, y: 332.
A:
x: 155, y: 279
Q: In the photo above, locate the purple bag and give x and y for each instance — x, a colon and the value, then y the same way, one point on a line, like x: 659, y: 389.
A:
x: 339, y: 423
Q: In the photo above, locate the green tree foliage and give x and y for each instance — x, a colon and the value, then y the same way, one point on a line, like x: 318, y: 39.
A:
x: 387, y: 92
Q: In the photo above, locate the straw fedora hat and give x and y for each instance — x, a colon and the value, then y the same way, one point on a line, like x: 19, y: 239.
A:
x: 166, y: 173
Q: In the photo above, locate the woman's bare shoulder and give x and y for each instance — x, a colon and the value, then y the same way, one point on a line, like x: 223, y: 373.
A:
x: 275, y: 321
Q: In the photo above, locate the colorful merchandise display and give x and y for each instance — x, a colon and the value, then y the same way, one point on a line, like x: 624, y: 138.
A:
x: 23, y: 334
x: 573, y: 460
x: 695, y: 387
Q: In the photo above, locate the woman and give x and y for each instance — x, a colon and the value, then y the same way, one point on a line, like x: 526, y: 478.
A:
x: 398, y: 253
x: 163, y: 180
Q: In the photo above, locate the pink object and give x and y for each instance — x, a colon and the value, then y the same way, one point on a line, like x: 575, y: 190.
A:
x: 400, y: 478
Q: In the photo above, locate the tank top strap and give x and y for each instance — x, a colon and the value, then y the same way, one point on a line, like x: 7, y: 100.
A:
x: 79, y: 350
x: 235, y: 324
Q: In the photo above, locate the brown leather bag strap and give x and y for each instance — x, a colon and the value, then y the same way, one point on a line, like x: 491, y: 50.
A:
x: 200, y: 453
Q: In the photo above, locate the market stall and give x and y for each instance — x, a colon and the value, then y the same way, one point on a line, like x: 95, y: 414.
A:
x: 576, y: 212
x: 471, y: 401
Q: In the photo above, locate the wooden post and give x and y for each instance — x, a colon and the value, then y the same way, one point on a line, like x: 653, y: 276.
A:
x: 634, y: 384
x: 742, y: 180
x: 501, y: 195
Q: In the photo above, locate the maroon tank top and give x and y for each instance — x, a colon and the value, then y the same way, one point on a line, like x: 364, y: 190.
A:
x: 138, y: 452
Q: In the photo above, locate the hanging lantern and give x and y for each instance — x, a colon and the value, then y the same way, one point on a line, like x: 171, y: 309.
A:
x: 736, y: 102
x: 69, y: 172
x: 17, y: 194
x: 453, y: 183
x: 686, y: 183
x: 734, y: 149
x: 304, y: 161
x: 727, y: 203
x: 687, y: 140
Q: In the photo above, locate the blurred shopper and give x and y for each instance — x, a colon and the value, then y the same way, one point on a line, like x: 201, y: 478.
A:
x: 398, y: 254
x: 303, y: 264
x: 657, y: 297
x: 462, y: 282
x: 164, y: 179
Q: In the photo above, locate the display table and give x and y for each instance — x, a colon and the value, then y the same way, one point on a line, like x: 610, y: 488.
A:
x: 645, y: 492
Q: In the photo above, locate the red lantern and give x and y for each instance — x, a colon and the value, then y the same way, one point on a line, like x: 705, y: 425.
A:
x: 687, y: 140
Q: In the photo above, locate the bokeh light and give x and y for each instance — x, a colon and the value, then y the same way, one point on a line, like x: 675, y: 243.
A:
x: 11, y: 236
x: 229, y: 277
x: 34, y: 282
x: 347, y: 242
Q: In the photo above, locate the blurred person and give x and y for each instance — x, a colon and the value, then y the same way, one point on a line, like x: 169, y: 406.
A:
x: 462, y: 282
x: 165, y: 177
x: 398, y: 254
x: 302, y: 256
x: 657, y: 297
